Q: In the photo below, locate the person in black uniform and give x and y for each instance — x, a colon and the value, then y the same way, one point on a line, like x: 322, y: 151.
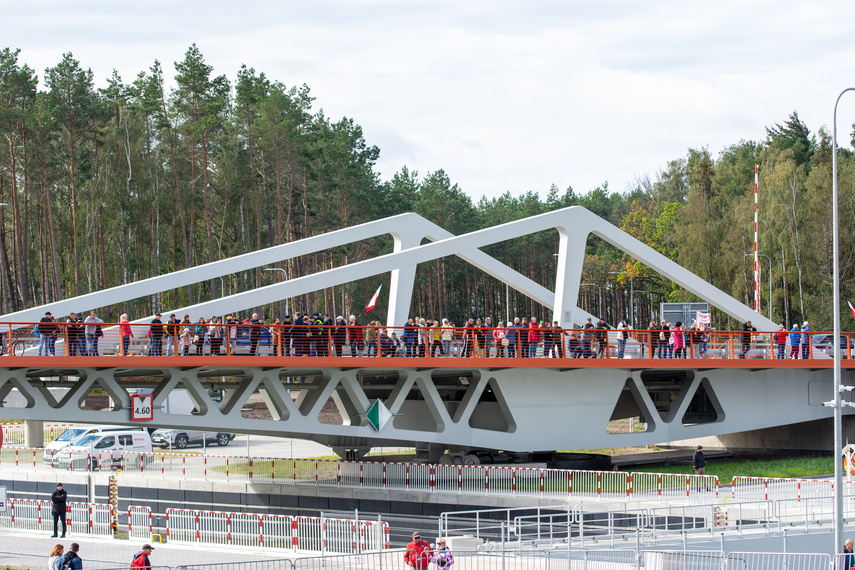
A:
x: 59, y: 498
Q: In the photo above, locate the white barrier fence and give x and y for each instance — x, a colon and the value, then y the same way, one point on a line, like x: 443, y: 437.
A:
x: 343, y: 536
x: 82, y: 518
x: 14, y: 433
x: 482, y: 479
x: 139, y: 522
x: 465, y: 479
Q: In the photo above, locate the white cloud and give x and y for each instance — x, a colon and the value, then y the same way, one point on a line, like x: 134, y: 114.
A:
x: 504, y: 96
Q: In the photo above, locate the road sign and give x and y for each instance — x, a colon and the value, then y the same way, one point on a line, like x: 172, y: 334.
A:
x: 142, y: 407
x: 378, y: 415
x: 2, y: 499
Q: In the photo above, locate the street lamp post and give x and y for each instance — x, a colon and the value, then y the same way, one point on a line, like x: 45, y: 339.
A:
x: 838, y: 413
x: 285, y: 273
x: 769, y: 278
x: 631, y: 297
x: 601, y: 294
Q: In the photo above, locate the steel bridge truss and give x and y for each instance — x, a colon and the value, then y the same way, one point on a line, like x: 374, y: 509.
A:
x: 455, y: 402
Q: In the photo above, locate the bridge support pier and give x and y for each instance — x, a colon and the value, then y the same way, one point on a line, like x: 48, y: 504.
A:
x: 34, y: 433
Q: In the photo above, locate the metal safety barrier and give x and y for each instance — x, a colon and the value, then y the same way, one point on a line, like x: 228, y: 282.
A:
x: 768, y: 488
x: 275, y: 531
x: 82, y: 518
x: 139, y: 522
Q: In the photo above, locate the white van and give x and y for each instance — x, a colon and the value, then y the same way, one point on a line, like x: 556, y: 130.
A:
x: 72, y: 434
x: 98, y: 451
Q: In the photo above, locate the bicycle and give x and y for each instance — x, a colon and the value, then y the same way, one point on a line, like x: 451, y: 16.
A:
x: 18, y: 346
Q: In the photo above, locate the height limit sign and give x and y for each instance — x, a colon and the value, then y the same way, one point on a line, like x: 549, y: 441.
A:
x: 142, y: 407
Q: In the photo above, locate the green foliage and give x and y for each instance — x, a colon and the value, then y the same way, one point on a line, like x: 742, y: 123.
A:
x: 727, y: 469
x: 114, y: 185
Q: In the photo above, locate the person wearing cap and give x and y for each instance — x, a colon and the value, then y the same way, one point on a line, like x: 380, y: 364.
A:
x: 339, y: 336
x: 141, y: 558
x: 780, y: 337
x: 698, y: 461
x: 805, y: 341
x: 419, y: 553
x: 59, y: 505
x: 155, y: 332
x: 172, y: 328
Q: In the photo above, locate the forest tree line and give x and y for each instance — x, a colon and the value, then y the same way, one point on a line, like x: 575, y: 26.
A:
x: 109, y: 185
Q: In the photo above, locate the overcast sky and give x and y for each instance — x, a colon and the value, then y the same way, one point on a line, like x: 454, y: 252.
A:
x: 505, y: 96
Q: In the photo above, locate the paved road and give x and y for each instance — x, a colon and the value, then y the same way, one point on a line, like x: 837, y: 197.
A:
x: 281, y: 447
x: 30, y: 549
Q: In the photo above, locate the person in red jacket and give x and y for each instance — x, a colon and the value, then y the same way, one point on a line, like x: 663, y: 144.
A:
x: 419, y: 553
x: 141, y: 558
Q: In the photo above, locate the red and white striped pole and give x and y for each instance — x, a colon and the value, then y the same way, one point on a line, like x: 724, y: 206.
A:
x: 756, y: 253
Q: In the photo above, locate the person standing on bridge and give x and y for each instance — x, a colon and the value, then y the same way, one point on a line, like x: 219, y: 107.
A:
x: 419, y: 553
x: 254, y: 333
x: 126, y: 333
x: 805, y: 341
x: 781, y: 340
x: 747, y: 333
x: 93, y: 328
x: 155, y: 332
x: 795, y: 338
x: 698, y: 461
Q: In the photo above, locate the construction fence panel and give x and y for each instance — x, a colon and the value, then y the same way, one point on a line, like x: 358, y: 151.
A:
x: 447, y: 478
x: 341, y: 536
x: 373, y: 535
x: 307, y: 533
x: 139, y: 522
x: 767, y: 489
x: 91, y: 518
x: 276, y: 531
x: 556, y: 482
x: 776, y: 561
x: 213, y: 527
x: 28, y: 514
x: 182, y: 525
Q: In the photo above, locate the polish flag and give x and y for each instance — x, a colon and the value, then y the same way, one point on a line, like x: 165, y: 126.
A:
x: 851, y: 308
x: 373, y: 302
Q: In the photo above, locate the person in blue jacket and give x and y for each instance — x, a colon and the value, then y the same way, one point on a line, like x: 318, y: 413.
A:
x: 795, y: 337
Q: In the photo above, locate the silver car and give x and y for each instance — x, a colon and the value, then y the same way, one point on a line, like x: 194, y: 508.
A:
x: 181, y: 438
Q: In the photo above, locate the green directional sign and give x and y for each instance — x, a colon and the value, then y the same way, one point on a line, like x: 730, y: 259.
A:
x: 378, y: 415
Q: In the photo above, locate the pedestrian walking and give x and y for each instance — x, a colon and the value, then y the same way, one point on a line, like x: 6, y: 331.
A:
x: 419, y: 553
x: 59, y: 504
x: 141, y: 560
x: 849, y: 559
x: 72, y: 560
x: 698, y: 461
x: 443, y: 558
x: 56, y: 555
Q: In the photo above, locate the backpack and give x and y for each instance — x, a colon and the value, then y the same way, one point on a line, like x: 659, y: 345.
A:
x: 65, y: 564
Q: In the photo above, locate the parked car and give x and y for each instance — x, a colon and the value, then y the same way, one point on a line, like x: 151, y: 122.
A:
x: 181, y: 438
x: 105, y: 449
x: 72, y: 434
x: 823, y: 346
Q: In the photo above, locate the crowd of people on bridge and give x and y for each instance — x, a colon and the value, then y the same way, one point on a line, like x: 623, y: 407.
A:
x: 319, y: 335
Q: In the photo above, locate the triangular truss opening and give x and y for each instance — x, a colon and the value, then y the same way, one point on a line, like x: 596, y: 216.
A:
x: 492, y: 411
x: 630, y: 413
x: 704, y: 408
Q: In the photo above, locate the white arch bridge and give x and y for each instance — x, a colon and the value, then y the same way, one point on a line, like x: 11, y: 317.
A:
x: 512, y: 404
